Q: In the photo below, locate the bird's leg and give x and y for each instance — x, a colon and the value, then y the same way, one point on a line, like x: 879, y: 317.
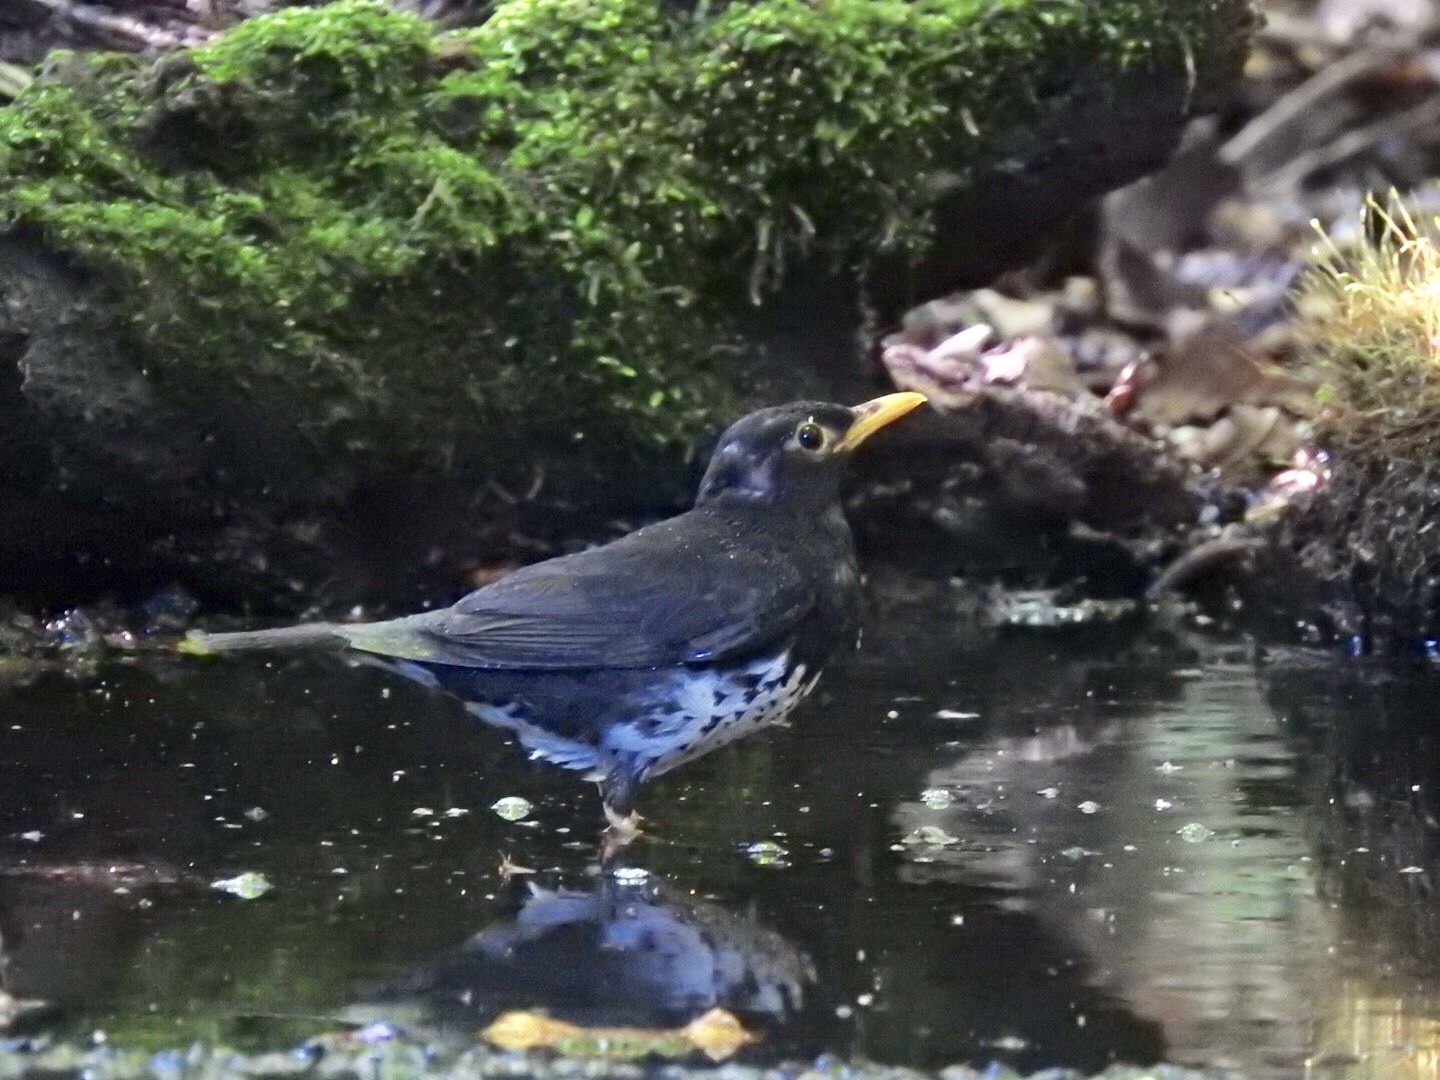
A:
x: 623, y: 825
x: 620, y: 834
x: 617, y: 796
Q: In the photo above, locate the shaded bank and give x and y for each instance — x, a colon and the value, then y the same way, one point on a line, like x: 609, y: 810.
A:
x: 336, y: 295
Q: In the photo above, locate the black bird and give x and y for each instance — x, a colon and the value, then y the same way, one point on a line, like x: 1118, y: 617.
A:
x: 630, y: 658
x: 618, y: 950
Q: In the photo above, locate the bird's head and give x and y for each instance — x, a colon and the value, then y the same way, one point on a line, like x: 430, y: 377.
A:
x: 795, y: 453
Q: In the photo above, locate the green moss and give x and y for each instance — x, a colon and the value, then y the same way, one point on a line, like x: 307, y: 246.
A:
x: 411, y: 244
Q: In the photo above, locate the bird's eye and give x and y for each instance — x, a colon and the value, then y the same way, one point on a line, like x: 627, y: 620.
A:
x: 810, y: 435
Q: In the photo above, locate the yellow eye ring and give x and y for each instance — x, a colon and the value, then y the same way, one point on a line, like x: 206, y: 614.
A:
x: 810, y: 436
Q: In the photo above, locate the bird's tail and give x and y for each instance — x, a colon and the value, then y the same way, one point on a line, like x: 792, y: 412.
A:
x: 311, y: 635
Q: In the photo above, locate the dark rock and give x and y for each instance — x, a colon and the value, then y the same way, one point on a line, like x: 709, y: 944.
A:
x: 1034, y: 488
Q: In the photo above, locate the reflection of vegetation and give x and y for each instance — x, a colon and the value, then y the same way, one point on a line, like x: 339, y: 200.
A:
x: 1366, y: 742
x: 248, y: 978
x: 357, y: 222
x: 1375, y: 1036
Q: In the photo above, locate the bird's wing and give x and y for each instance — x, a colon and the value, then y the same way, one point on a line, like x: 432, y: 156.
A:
x: 682, y: 591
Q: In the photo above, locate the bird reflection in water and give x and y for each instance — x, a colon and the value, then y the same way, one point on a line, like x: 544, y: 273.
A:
x: 623, y: 949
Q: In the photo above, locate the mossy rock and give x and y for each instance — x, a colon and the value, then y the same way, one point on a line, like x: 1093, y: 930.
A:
x: 337, y: 252
x: 1362, y: 544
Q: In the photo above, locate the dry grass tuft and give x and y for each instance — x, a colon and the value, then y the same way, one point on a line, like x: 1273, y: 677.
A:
x: 1371, y: 313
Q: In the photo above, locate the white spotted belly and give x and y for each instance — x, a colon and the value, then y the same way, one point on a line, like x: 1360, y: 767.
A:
x: 714, y: 711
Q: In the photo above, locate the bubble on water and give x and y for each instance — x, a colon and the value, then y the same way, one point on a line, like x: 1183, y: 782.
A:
x: 956, y: 714
x: 75, y: 630
x: 930, y: 836
x: 1010, y: 1043
x: 1041, y: 608
x: 247, y: 886
x: 1194, y: 833
x: 513, y: 808
x: 937, y: 798
x: 168, y: 610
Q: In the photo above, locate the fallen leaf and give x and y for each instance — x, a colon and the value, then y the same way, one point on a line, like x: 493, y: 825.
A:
x: 527, y: 1031
x: 247, y: 886
x: 513, y: 808
x: 717, y: 1033
x: 1209, y: 366
x: 1036, y: 363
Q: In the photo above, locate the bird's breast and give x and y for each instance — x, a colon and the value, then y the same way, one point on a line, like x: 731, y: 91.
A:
x: 698, y: 710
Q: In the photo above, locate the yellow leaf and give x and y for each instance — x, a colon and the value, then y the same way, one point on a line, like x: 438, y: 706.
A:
x: 527, y: 1031
x: 718, y: 1034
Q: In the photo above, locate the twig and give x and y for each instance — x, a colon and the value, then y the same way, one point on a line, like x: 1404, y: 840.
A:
x: 125, y: 27
x: 1303, y: 32
x: 1307, y: 96
x: 1200, y: 560
x: 1353, y: 142
x: 13, y: 79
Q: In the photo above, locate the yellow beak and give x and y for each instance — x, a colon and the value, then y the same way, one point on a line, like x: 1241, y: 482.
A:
x: 871, y: 416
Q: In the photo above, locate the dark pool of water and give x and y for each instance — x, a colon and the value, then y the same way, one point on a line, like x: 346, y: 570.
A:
x: 1033, y: 846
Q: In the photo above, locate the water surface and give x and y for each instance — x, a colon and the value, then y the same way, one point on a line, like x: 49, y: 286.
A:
x: 1037, y: 847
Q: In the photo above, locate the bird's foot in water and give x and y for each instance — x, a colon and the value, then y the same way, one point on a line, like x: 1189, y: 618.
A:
x: 620, y: 834
x: 623, y: 827
x: 509, y: 869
